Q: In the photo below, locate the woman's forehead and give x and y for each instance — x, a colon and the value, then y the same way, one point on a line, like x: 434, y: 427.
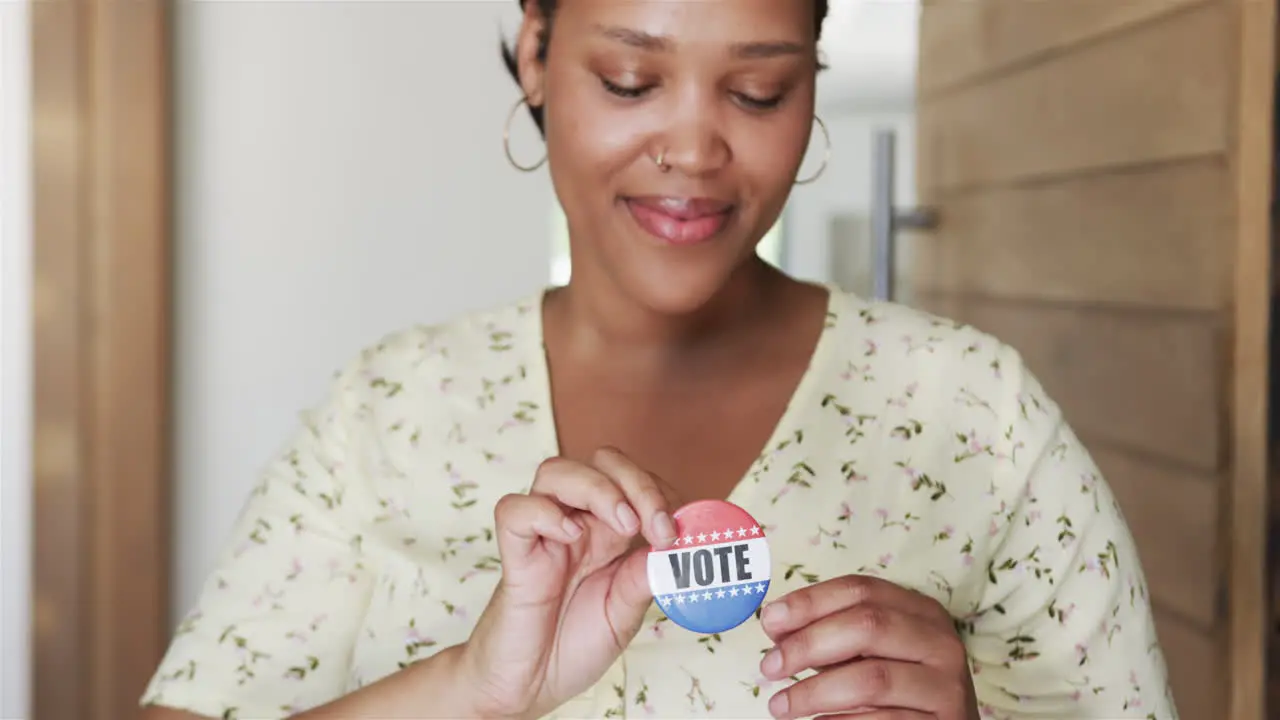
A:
x: 749, y: 26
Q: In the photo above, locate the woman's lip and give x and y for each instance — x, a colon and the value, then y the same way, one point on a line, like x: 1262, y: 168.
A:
x: 682, y: 208
x: 680, y: 223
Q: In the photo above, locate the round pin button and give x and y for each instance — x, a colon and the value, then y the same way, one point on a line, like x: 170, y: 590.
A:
x: 716, y: 574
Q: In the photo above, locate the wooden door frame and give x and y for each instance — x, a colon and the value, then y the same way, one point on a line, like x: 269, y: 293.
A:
x: 101, y: 222
x: 1247, y: 526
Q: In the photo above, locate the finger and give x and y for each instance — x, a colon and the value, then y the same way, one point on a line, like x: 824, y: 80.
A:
x: 522, y: 521
x: 801, y: 607
x: 863, y: 631
x: 883, y: 685
x: 630, y: 596
x: 585, y: 488
x: 652, y: 499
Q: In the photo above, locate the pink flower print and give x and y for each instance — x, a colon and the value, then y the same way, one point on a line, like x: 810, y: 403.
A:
x: 446, y: 385
x: 413, y: 636
x: 656, y: 630
x: 295, y: 569
x: 993, y: 529
x: 815, y: 539
x: 266, y: 595
x: 1082, y: 653
x: 871, y: 348
x: 846, y: 512
x: 1075, y: 696
x: 966, y: 560
x: 882, y: 513
x: 884, y: 560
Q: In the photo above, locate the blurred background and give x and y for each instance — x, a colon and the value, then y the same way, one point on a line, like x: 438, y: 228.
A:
x: 206, y: 207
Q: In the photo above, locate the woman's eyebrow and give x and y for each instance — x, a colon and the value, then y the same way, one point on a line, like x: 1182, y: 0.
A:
x: 660, y: 43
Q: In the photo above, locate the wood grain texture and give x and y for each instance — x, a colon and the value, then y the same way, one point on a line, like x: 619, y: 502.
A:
x: 1156, y: 236
x: 1197, y: 668
x: 1150, y: 382
x: 969, y: 40
x: 60, y: 337
x: 1165, y: 96
x: 101, y: 194
x: 1246, y: 526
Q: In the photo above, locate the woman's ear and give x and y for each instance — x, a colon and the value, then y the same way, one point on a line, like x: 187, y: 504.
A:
x: 534, y: 30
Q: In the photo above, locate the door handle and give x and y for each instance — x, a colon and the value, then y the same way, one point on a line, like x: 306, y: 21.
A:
x: 886, y: 217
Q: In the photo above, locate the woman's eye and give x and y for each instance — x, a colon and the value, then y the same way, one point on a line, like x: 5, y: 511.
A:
x: 622, y: 90
x: 758, y: 103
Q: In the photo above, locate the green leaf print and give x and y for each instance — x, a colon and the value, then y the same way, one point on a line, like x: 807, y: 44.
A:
x: 500, y: 341
x: 390, y: 388
x: 793, y: 570
x: 1021, y: 649
x: 300, y: 671
x: 908, y: 430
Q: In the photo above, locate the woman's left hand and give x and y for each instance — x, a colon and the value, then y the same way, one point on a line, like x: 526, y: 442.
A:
x: 881, y: 651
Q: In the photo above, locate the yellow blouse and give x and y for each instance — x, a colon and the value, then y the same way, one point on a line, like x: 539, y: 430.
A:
x: 914, y: 449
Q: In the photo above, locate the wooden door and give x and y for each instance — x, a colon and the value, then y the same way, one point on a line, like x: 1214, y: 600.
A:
x: 1101, y: 173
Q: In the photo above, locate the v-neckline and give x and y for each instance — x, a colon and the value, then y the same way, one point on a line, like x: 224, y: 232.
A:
x: 742, y: 492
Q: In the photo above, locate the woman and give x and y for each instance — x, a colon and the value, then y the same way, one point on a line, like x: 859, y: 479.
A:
x: 461, y: 530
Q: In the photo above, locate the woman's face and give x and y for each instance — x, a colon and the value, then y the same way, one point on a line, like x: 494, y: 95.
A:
x: 722, y: 90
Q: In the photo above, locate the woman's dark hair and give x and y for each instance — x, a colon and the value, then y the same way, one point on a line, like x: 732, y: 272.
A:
x: 548, y: 8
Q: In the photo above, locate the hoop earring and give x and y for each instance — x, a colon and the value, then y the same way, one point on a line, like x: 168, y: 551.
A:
x: 826, y: 156
x: 506, y: 139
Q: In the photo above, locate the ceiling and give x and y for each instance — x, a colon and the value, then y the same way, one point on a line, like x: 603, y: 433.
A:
x: 870, y: 48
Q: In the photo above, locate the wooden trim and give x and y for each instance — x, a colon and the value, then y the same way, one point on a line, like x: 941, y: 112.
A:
x: 102, y: 264
x: 1247, y: 525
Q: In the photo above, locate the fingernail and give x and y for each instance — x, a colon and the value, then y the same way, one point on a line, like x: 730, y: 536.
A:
x: 627, y: 518
x: 572, y: 527
x: 664, y: 526
x: 772, y: 663
x: 774, y: 613
x: 778, y: 705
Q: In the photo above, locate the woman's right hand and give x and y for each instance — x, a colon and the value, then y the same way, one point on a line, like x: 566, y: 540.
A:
x: 574, y: 588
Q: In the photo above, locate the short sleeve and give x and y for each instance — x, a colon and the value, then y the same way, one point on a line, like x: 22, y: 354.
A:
x: 1066, y: 629
x: 273, y: 629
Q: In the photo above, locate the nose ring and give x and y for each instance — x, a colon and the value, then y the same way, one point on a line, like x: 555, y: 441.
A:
x: 660, y: 160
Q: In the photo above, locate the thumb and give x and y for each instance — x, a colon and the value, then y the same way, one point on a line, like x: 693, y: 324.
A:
x: 630, y: 596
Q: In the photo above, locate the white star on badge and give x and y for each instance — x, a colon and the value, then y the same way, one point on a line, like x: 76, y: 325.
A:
x: 715, y: 536
x: 719, y: 593
x: 702, y: 537
x: 733, y: 592
x: 755, y: 531
x: 688, y: 539
x: 665, y: 602
x: 706, y: 595
x: 693, y: 597
x: 679, y: 599
x: 760, y: 588
x: 742, y: 532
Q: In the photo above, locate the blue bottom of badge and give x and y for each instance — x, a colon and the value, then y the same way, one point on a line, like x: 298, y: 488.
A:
x: 714, y: 610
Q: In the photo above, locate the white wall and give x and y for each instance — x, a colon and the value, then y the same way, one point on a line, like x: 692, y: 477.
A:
x: 846, y: 185
x: 340, y: 176
x: 15, y: 362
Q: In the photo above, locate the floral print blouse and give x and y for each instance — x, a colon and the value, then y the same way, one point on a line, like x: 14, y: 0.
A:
x: 914, y: 449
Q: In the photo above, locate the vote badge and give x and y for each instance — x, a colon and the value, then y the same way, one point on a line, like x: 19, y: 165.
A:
x: 716, y: 574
